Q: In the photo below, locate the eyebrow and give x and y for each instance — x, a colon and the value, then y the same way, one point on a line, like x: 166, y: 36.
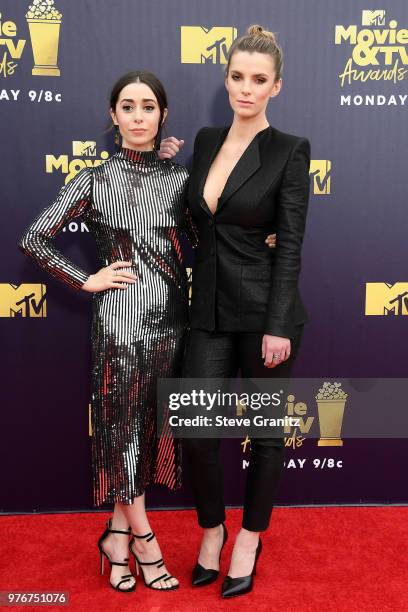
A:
x: 261, y: 74
x: 144, y: 100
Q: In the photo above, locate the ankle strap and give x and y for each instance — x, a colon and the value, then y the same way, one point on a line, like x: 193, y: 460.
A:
x: 148, y: 536
x: 108, y: 525
x: 117, y: 563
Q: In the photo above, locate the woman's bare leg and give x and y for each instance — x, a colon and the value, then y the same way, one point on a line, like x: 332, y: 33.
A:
x: 146, y: 551
x: 117, y: 547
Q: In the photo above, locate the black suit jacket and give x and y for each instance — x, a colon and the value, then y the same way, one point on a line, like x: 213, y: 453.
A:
x: 239, y: 283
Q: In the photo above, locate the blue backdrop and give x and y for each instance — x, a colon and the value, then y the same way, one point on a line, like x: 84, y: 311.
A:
x: 344, y: 87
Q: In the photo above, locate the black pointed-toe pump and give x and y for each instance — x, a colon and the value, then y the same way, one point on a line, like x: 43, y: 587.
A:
x: 232, y: 587
x: 201, y: 575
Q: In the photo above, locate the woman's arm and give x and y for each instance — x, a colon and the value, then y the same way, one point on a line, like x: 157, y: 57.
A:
x: 72, y: 201
x: 290, y: 227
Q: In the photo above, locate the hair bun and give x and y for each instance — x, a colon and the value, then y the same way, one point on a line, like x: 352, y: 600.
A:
x: 257, y: 30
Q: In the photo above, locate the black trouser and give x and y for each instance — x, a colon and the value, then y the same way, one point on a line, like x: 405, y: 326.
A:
x: 221, y: 355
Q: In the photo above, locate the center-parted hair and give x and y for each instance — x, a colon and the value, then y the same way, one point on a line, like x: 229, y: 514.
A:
x: 149, y: 79
x: 259, y: 40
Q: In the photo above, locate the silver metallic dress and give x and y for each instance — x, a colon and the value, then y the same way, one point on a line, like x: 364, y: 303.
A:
x: 133, y: 205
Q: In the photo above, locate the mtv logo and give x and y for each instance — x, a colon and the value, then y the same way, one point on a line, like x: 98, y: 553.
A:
x: 200, y: 45
x: 373, y: 18
x: 87, y: 148
x: 26, y: 300
x: 320, y: 171
x: 385, y: 299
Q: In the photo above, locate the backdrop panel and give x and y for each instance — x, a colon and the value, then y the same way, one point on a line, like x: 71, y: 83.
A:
x: 344, y: 87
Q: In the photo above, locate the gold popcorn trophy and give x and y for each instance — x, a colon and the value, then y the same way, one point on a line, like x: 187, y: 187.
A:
x: 44, y: 22
x: 331, y: 400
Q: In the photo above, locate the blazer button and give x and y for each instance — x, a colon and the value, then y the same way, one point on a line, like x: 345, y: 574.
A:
x: 210, y: 221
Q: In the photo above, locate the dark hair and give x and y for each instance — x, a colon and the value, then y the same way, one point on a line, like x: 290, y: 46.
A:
x: 262, y: 41
x: 149, y: 79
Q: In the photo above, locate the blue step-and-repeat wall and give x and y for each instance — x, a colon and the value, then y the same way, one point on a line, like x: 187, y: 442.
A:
x: 344, y: 87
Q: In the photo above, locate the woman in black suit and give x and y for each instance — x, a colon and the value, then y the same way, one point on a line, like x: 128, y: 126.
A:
x: 248, y: 180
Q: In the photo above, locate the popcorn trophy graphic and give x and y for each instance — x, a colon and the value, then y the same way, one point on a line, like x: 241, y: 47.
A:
x: 44, y: 22
x: 331, y: 400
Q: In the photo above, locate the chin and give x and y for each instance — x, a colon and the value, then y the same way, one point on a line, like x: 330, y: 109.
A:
x: 248, y: 113
x: 140, y: 142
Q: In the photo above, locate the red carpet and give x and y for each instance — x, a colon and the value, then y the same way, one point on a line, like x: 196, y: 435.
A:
x: 314, y: 559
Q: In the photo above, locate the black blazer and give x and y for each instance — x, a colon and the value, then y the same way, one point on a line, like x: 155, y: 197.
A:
x: 239, y: 283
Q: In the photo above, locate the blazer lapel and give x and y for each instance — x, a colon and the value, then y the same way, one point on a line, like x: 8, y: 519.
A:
x: 246, y: 166
x: 212, y: 153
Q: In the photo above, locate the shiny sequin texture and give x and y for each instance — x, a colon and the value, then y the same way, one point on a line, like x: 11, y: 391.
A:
x: 133, y: 205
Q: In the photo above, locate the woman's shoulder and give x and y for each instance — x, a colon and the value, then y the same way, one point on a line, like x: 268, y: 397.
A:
x: 103, y: 165
x: 275, y: 144
x: 117, y: 158
x: 174, y: 168
x: 208, y: 133
x: 82, y: 176
x: 286, y: 138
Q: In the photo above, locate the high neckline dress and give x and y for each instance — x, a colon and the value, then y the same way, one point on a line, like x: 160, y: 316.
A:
x: 133, y: 205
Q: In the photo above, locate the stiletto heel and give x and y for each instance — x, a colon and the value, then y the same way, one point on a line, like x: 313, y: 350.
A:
x: 103, y: 554
x: 232, y: 587
x: 201, y: 575
x: 159, y: 563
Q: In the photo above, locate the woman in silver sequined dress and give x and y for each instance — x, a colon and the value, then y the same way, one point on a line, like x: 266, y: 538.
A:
x: 133, y: 206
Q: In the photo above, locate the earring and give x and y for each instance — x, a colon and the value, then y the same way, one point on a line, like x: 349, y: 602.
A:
x: 117, y: 140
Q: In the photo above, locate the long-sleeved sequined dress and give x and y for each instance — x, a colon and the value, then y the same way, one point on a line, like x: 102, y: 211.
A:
x: 133, y: 205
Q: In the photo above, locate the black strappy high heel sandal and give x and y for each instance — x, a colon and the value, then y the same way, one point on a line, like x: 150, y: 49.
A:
x: 201, y: 575
x: 148, y: 537
x: 103, y: 554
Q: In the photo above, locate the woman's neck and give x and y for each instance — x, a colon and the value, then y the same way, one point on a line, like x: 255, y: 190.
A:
x: 147, y: 146
x: 246, y: 129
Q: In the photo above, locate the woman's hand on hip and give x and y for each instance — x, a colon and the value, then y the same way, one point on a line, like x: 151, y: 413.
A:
x: 275, y: 350
x: 270, y: 240
x: 110, y: 277
x: 169, y: 147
